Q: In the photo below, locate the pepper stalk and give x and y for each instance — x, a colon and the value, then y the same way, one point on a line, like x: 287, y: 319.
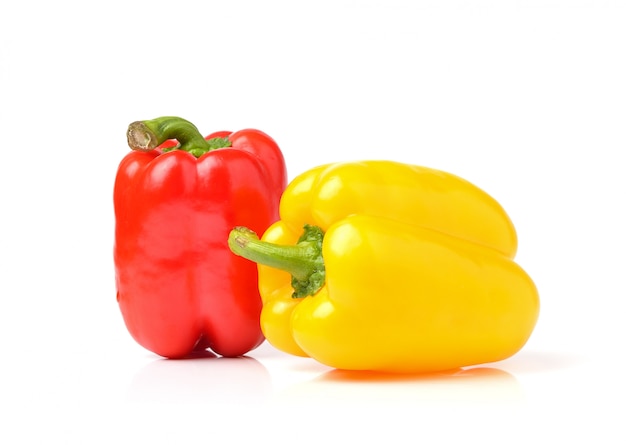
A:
x: 149, y: 134
x: 303, y: 260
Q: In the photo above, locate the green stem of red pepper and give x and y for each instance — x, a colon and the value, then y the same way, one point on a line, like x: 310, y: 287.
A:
x: 303, y: 260
x: 149, y: 134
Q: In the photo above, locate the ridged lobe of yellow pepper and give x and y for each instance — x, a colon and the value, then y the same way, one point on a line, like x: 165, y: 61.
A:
x: 401, y: 298
x: 405, y: 193
x: 275, y: 289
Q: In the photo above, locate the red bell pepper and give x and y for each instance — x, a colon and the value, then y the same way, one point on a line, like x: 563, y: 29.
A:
x: 179, y: 287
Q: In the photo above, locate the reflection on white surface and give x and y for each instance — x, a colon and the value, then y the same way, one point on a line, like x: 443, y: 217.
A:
x: 268, y: 376
x: 481, y: 385
x: 201, y: 379
x: 212, y: 380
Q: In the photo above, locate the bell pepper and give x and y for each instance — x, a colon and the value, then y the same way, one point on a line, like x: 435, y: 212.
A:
x: 399, y: 269
x: 177, y: 195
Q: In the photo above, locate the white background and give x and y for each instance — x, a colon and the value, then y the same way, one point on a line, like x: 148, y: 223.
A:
x: 527, y: 99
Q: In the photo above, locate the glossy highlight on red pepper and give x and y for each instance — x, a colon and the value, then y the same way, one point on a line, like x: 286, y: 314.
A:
x: 176, y: 197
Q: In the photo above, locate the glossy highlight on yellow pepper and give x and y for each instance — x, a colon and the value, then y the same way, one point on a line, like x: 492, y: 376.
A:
x: 412, y: 287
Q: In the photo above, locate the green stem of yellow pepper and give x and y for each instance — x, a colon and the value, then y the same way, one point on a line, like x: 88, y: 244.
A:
x: 303, y: 260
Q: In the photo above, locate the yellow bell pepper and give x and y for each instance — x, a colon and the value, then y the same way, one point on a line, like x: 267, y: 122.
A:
x: 400, y: 269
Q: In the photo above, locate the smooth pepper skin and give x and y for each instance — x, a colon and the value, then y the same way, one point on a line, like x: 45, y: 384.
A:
x: 400, y: 295
x: 179, y: 287
x: 403, y: 192
x: 402, y: 298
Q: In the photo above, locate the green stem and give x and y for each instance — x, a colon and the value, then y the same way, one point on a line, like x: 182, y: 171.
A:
x: 148, y: 135
x: 303, y: 260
